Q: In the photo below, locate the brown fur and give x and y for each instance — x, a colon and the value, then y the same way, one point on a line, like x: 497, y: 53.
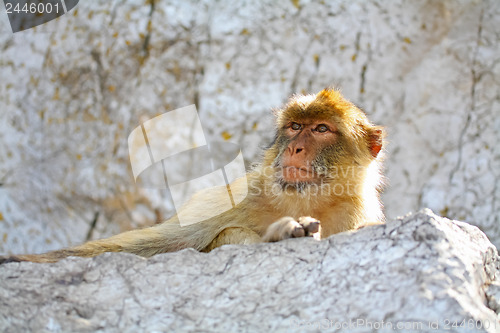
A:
x: 352, y: 159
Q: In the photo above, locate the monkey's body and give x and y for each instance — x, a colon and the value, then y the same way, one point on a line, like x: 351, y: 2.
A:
x: 324, y: 163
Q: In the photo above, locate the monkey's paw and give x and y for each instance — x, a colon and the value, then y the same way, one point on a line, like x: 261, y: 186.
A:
x: 288, y: 227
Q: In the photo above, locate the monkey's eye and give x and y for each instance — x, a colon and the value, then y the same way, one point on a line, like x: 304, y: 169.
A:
x: 321, y: 128
x: 295, y: 126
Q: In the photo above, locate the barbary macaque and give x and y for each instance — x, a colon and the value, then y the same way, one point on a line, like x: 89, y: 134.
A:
x: 324, y: 165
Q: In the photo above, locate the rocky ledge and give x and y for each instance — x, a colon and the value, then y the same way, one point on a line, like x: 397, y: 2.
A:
x: 418, y: 272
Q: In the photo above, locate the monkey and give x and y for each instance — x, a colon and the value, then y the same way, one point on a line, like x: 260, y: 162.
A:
x: 323, y: 165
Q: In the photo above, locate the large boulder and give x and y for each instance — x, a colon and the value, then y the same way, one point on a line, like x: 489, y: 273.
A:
x: 419, y: 272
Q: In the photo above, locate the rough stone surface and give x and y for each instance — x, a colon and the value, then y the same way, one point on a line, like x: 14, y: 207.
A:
x: 72, y: 90
x: 421, y: 272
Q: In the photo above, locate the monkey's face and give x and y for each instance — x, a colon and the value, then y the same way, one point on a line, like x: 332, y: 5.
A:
x: 321, y: 138
x: 307, y: 146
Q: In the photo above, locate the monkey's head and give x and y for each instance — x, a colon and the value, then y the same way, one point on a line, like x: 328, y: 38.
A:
x: 320, y: 134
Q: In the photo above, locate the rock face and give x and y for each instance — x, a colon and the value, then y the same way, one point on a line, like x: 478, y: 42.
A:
x: 420, y: 272
x: 72, y: 90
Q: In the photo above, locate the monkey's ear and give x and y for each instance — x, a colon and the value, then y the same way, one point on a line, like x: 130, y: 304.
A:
x: 375, y: 139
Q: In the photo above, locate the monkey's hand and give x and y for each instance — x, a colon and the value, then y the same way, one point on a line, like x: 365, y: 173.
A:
x: 287, y: 227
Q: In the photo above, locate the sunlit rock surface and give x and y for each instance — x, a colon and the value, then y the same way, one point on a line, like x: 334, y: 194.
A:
x: 421, y: 272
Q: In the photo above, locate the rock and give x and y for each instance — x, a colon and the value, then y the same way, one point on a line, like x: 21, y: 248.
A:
x: 420, y: 272
x: 493, y: 295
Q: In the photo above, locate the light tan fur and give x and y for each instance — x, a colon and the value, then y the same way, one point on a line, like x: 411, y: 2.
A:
x: 353, y: 157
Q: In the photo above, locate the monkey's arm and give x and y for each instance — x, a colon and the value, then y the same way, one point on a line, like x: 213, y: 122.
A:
x: 234, y: 235
x: 284, y: 228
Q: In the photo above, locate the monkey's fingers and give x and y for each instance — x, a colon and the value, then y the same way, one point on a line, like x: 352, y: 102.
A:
x: 287, y: 227
x: 310, y: 225
x: 284, y: 228
x: 297, y: 231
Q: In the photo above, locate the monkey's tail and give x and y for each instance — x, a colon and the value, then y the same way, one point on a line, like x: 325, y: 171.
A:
x: 166, y: 237
x: 171, y: 236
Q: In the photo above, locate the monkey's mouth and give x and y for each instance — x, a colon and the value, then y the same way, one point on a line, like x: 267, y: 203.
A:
x: 293, y: 174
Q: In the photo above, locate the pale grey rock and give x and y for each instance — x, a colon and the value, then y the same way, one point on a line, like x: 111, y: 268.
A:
x: 421, y: 272
x: 493, y: 296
